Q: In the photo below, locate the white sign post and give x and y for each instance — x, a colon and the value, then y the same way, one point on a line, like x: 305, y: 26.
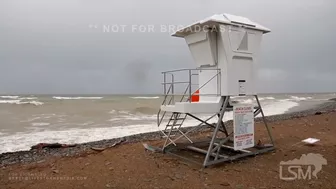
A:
x: 243, y: 123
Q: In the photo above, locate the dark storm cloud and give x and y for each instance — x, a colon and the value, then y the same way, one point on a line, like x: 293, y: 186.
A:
x: 61, y: 47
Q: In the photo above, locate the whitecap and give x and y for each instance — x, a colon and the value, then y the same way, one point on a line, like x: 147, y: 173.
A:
x: 40, y: 124
x: 28, y: 98
x: 267, y: 98
x: 300, y: 98
x: 124, y: 112
x: 30, y: 119
x: 112, y: 112
x: 10, y: 97
x: 85, y: 124
x: 134, y: 118
x: 36, y: 103
x: 9, y: 101
x: 145, y: 97
x: 76, y: 98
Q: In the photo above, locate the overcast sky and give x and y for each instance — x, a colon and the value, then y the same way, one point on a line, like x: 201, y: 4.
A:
x: 60, y: 46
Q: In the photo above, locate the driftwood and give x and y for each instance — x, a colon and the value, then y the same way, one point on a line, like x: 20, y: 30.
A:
x: 40, y: 146
x: 98, y: 149
x: 102, y: 149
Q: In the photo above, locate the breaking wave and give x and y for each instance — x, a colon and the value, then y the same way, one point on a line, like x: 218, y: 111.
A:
x: 9, y: 101
x: 10, y: 97
x: 300, y: 98
x: 19, y: 102
x: 40, y: 124
x: 36, y: 103
x: 267, y: 98
x: 119, y: 112
x: 136, y: 110
x: 76, y: 98
x: 27, y: 98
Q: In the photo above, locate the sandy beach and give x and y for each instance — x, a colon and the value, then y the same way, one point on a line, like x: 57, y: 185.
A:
x: 126, y: 164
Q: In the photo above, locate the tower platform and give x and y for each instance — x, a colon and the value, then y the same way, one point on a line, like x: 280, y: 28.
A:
x: 192, y: 108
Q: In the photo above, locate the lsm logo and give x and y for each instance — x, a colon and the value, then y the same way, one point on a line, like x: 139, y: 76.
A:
x: 303, y: 168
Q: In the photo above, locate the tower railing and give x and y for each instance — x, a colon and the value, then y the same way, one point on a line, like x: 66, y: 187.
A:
x: 188, y: 86
x: 169, y: 87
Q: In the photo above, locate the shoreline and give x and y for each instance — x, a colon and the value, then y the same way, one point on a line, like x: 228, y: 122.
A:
x: 31, y: 156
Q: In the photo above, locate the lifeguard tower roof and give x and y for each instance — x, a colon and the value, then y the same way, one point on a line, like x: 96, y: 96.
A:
x: 215, y: 20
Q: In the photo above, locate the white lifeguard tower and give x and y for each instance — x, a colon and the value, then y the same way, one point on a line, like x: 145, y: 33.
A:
x: 225, y: 49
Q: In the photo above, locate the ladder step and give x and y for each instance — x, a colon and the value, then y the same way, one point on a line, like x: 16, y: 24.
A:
x: 176, y: 122
x: 179, y: 118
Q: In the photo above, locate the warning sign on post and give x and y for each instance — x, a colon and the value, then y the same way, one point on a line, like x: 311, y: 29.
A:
x: 243, y: 123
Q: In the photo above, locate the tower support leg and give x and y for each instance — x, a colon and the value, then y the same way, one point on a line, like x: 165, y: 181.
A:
x: 224, y: 102
x: 264, y: 120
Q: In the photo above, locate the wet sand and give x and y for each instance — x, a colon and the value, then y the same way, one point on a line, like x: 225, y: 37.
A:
x: 129, y: 165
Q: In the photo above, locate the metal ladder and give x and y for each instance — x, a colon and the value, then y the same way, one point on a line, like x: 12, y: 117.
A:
x: 175, y: 121
x: 173, y: 127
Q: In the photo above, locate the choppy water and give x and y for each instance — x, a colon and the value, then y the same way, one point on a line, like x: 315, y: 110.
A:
x: 28, y: 120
